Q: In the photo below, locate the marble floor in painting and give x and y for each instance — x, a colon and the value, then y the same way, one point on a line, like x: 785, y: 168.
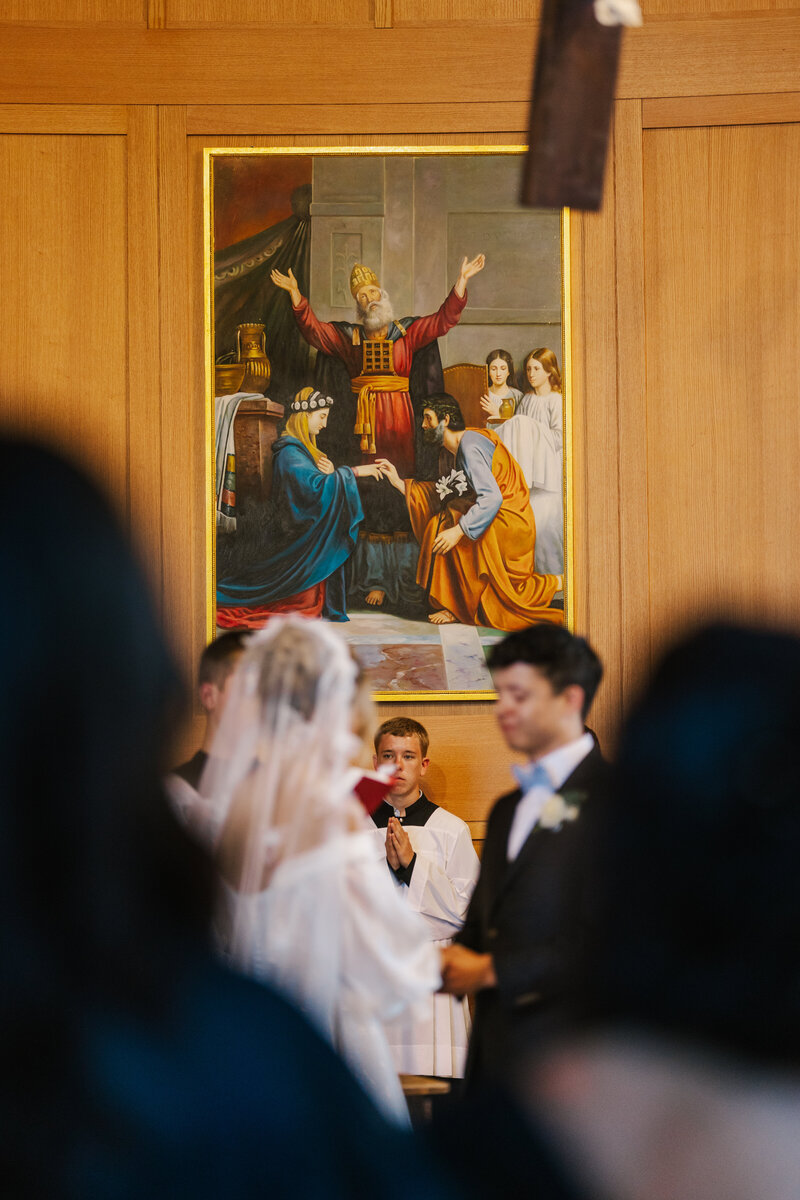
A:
x: 402, y: 655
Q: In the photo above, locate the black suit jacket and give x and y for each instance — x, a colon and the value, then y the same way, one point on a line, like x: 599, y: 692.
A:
x: 527, y: 914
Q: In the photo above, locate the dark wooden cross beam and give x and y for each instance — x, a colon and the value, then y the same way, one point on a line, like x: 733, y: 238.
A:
x: 573, y: 91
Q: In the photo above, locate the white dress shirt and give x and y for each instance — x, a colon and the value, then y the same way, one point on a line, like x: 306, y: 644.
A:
x: 543, y: 777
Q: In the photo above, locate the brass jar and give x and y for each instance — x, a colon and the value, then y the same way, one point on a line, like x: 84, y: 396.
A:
x: 251, y: 350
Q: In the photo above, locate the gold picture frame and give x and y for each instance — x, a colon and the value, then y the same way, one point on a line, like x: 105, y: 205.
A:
x: 332, y: 170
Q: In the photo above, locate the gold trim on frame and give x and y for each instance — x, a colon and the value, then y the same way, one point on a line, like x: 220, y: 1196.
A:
x: 209, y: 154
x: 208, y: 422
x: 567, y: 393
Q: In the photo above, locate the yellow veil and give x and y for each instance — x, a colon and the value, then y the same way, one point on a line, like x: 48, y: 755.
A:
x: 297, y: 425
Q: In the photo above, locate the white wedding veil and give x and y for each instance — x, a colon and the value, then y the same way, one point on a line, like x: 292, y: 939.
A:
x: 277, y: 782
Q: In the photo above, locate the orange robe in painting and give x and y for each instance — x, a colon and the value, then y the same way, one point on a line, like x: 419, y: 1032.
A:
x: 489, y: 581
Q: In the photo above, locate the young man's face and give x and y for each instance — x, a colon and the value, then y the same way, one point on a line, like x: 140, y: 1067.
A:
x: 404, y: 753
x: 533, y: 718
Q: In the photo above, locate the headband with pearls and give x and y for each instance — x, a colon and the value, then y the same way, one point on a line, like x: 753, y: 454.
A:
x: 315, y: 401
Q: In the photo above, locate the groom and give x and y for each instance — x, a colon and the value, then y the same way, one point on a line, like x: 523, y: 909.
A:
x: 512, y: 952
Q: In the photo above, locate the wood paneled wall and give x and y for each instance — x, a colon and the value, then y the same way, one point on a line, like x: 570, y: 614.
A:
x: 685, y: 287
x: 63, y: 251
x: 722, y: 343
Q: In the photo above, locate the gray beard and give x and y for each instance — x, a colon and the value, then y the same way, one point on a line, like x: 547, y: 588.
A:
x: 434, y: 437
x: 377, y: 314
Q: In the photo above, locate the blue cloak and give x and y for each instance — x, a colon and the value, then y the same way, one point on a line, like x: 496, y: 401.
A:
x: 315, y: 524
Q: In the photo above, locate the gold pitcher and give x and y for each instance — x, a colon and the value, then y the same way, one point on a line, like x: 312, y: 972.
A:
x: 251, y: 349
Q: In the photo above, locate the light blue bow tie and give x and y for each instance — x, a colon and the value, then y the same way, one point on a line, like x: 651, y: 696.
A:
x: 532, y: 775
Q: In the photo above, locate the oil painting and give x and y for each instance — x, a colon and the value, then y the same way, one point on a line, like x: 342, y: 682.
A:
x: 386, y: 357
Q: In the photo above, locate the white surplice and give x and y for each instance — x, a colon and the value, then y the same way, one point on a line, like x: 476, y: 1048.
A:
x: 432, y: 1038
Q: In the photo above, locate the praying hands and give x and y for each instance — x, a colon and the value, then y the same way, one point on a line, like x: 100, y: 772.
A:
x: 399, y: 851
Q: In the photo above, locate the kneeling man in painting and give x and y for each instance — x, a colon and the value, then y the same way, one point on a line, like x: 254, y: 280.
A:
x: 477, y: 566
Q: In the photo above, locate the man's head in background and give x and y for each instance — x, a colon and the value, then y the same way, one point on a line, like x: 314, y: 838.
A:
x: 403, y: 743
x: 546, y: 679
x: 217, y: 664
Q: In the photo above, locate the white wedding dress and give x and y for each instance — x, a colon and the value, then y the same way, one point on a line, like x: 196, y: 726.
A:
x: 349, y: 980
x: 305, y: 906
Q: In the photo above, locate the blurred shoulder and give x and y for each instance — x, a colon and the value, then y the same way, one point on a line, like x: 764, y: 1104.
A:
x: 248, y: 1042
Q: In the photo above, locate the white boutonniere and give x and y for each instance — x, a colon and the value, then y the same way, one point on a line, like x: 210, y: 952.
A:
x: 561, y: 807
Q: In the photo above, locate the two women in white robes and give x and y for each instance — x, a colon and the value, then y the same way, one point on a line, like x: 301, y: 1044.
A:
x: 535, y: 438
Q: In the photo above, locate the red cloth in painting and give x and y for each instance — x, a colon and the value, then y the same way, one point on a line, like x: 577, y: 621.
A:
x: 394, y: 429
x: 308, y: 603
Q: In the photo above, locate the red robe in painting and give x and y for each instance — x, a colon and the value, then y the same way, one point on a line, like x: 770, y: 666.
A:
x: 394, y: 415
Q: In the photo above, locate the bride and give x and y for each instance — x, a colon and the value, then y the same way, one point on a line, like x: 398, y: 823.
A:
x: 306, y: 906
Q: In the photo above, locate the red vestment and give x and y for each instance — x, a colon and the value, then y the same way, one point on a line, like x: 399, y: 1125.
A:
x: 394, y: 415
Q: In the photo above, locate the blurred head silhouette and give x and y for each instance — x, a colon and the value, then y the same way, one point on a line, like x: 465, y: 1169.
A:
x: 696, y: 884
x: 100, y: 890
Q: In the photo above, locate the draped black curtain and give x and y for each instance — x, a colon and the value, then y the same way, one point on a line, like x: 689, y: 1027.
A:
x: 243, y: 292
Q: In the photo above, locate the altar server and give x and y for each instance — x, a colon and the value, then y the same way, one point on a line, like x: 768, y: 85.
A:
x: 431, y: 858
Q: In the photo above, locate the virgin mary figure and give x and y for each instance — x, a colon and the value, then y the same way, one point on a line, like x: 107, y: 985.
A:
x: 314, y: 518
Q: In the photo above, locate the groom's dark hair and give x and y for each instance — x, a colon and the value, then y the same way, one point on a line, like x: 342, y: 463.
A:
x: 220, y: 656
x: 445, y: 405
x: 562, y: 658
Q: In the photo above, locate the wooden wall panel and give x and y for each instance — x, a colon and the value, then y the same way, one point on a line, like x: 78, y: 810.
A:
x: 661, y: 8
x: 63, y: 118
x: 144, y: 341
x: 253, y: 14
x: 596, y: 475
x: 72, y: 12
x: 473, y: 12
x: 443, y: 63
x: 219, y: 14
x: 484, y: 15
x: 722, y: 270
x: 63, y: 263
x: 184, y: 465
x: 632, y: 662
x: 685, y: 111
x: 379, y: 121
